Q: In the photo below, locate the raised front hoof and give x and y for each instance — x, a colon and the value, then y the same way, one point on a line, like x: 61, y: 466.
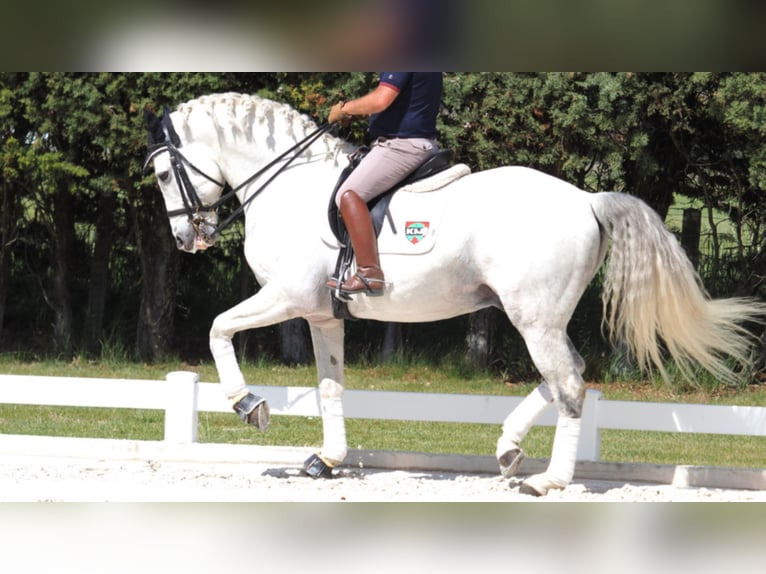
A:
x: 315, y: 467
x: 253, y: 410
x: 539, y: 485
x: 510, y: 461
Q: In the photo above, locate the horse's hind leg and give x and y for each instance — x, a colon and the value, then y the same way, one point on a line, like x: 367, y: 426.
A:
x: 516, y: 426
x: 509, y: 453
x: 561, y: 368
x: 328, y: 350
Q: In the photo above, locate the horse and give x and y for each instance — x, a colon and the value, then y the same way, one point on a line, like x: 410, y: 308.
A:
x: 509, y: 237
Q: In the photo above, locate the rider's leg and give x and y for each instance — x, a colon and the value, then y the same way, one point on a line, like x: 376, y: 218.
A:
x: 369, y: 276
x: 388, y: 162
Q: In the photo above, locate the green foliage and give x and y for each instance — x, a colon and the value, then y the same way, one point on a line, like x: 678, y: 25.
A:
x: 76, y: 209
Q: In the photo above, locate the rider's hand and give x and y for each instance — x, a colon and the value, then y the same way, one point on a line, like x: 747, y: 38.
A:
x: 338, y: 115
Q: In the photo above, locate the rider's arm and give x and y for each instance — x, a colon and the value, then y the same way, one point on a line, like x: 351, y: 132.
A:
x: 376, y: 101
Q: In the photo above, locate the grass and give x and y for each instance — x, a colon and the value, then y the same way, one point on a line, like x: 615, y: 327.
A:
x: 478, y: 439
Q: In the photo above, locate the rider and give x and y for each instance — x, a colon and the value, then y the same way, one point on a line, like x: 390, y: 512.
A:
x: 402, y: 127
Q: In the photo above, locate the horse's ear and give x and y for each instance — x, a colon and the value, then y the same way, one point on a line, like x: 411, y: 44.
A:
x: 167, y: 125
x: 154, y: 126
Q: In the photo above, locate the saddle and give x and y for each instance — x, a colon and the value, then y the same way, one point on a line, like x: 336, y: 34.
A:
x: 379, y: 206
x: 379, y: 211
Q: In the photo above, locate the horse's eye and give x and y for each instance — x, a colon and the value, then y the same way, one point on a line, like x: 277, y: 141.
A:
x: 163, y: 176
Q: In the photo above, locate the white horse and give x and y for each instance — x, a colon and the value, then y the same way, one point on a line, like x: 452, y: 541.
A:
x: 512, y: 238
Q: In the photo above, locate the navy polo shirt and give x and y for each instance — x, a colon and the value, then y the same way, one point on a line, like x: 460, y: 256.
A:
x: 413, y: 113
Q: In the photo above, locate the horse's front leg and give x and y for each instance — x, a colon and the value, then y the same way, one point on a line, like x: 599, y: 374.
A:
x: 267, y: 307
x: 327, y: 338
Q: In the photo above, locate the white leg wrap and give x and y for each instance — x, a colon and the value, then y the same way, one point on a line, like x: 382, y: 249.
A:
x: 564, y: 454
x: 229, y: 375
x: 334, y: 447
x: 521, y: 419
x: 561, y: 468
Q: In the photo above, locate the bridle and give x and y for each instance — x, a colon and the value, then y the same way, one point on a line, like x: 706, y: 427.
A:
x: 194, y: 208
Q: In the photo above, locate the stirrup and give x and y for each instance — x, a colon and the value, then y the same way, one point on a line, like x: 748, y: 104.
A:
x: 368, y: 290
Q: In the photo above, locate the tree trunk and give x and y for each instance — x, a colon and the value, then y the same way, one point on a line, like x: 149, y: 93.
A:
x: 98, y: 286
x: 760, y: 359
x: 7, y: 230
x: 159, y: 274
x: 479, y: 338
x: 690, y: 234
x: 60, y: 297
x: 295, y: 342
x: 392, y: 341
x: 3, y: 279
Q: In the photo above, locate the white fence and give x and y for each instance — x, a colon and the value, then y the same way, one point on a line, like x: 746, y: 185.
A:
x: 182, y: 396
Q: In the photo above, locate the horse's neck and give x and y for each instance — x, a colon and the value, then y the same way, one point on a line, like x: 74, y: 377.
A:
x: 318, y: 170
x: 241, y: 158
x: 292, y: 193
x: 248, y: 133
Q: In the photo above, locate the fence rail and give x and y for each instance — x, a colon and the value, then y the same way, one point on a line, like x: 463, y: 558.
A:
x: 182, y: 397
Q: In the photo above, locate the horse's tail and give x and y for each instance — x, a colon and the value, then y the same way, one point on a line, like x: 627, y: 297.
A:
x: 653, y: 297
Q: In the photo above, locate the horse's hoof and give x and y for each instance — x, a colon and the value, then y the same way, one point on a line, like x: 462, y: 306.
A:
x: 510, y: 461
x: 315, y: 467
x: 540, y: 485
x: 253, y: 410
x: 529, y: 490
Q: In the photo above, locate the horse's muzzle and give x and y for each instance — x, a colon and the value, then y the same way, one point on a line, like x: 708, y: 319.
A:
x: 188, y: 238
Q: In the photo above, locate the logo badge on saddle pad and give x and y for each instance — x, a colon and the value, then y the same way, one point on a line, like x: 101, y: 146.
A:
x: 416, y: 231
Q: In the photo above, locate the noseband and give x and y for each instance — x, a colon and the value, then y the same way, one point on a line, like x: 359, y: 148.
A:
x: 193, y: 207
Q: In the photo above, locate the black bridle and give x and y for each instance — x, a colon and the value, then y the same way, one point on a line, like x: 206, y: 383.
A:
x: 193, y: 207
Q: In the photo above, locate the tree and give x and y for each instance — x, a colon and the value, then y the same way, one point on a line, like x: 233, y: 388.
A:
x: 10, y: 187
x: 83, y: 226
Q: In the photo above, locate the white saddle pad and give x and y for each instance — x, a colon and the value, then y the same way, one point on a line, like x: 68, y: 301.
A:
x: 438, y: 180
x: 416, y: 215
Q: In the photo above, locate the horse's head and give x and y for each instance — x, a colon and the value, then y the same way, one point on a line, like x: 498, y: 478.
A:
x: 191, y: 183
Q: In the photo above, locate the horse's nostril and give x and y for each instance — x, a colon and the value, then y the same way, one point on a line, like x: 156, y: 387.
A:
x: 179, y: 242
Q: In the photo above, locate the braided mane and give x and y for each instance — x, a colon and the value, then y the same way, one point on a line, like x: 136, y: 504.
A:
x: 253, y: 118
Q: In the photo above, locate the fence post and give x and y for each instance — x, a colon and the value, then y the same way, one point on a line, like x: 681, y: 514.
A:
x: 690, y: 234
x: 181, y: 416
x: 590, y: 434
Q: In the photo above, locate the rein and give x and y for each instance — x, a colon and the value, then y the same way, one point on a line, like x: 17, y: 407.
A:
x: 297, y: 150
x: 193, y: 206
